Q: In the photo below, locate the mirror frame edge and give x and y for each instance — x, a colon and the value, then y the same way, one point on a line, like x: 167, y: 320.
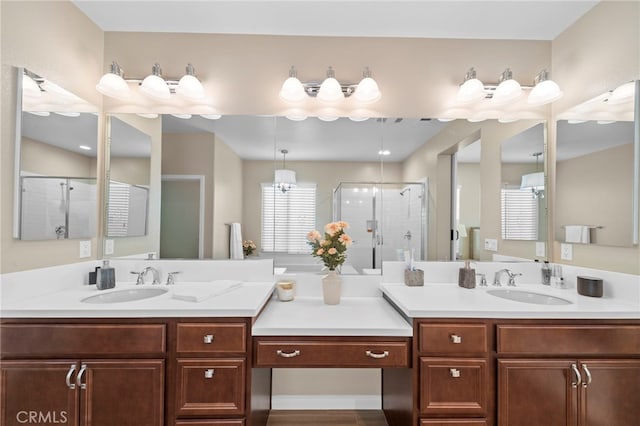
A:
x: 17, y: 199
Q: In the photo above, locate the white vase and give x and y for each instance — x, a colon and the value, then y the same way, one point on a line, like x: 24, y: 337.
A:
x: 331, y: 288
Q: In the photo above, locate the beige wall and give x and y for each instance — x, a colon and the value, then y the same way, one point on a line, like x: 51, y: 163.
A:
x: 193, y: 154
x: 588, y: 61
x: 227, y: 192
x: 131, y: 170
x: 44, y: 159
x: 57, y: 40
x: 327, y: 175
x: 470, y: 201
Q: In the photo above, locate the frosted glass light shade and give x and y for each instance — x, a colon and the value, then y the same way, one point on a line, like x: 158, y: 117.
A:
x: 330, y: 91
x: 292, y: 90
x: 470, y: 91
x: 114, y: 86
x: 30, y: 88
x: 155, y: 87
x: 190, y: 87
x: 211, y: 116
x: 367, y: 91
x: 622, y: 93
x: 506, y: 92
x: 532, y: 181
x: 545, y: 92
x: 284, y: 179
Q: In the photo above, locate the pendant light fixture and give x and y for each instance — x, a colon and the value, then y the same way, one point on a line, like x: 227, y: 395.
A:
x: 112, y: 84
x: 330, y: 89
x: 545, y: 91
x: 284, y: 179
x: 154, y: 85
x: 534, y: 182
x: 508, y: 89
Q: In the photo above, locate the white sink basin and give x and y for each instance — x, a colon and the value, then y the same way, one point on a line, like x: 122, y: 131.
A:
x: 125, y: 295
x: 528, y: 297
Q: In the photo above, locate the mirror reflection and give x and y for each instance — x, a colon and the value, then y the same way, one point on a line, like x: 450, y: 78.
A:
x: 56, y: 172
x: 467, y: 195
x: 522, y: 193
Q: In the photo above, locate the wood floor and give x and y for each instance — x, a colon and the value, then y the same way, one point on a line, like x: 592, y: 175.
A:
x: 326, y: 417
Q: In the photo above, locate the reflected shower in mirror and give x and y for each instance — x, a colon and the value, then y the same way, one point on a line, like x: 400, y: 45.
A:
x: 522, y: 192
x: 56, y: 172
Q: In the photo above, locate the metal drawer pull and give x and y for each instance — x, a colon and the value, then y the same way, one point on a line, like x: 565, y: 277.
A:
x: 208, y: 374
x: 578, y: 376
x: 68, y: 378
x: 587, y: 374
x: 208, y: 339
x: 456, y: 339
x: 454, y: 372
x: 377, y: 356
x: 79, y: 378
x: 288, y: 355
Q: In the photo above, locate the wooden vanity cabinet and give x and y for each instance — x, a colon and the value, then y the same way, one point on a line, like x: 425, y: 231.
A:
x: 82, y: 374
x: 565, y: 374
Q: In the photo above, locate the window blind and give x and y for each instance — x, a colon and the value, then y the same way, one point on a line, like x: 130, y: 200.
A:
x: 519, y: 215
x: 287, y: 218
x: 118, y: 209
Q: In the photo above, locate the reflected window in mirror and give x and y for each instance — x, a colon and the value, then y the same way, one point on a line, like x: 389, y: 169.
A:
x: 56, y: 145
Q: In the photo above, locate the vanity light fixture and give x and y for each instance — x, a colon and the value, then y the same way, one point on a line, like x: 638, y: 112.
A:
x: 358, y: 119
x: 328, y: 118
x: 297, y: 117
x: 211, y: 116
x: 284, y: 179
x: 112, y: 84
x: 147, y: 114
x: 330, y: 90
x: 189, y: 86
x: 471, y: 90
x: 545, y: 91
x: 30, y: 88
x: 534, y: 182
x: 154, y: 85
x: 71, y: 114
x: 508, y: 89
x: 367, y: 90
x: 292, y: 89
x: 622, y: 93
x: 182, y: 116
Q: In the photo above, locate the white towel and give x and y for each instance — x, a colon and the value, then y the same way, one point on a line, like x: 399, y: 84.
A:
x: 235, y: 242
x: 577, y: 234
x: 203, y: 291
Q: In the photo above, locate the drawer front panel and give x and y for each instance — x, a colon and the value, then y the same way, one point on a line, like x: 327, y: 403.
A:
x: 77, y: 340
x: 210, y: 387
x: 222, y: 422
x: 569, y: 339
x: 210, y: 338
x: 453, y: 339
x: 454, y: 422
x: 331, y: 354
x: 454, y: 387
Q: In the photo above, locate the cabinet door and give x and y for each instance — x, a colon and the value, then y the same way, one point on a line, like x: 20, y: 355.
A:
x: 537, y: 392
x: 612, y: 392
x: 38, y: 392
x: 123, y: 393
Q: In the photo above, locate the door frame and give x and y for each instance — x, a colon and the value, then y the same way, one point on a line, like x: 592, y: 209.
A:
x: 201, y: 180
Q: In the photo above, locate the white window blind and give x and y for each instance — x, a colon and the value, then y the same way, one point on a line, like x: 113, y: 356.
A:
x: 118, y: 209
x: 287, y: 218
x: 519, y: 215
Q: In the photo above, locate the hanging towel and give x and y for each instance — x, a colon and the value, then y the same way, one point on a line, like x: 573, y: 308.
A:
x: 577, y: 234
x: 235, y: 242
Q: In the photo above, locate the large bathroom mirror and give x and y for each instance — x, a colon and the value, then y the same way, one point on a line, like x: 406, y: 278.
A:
x: 595, y: 193
x: 129, y: 180
x: 523, y: 200
x: 56, y: 162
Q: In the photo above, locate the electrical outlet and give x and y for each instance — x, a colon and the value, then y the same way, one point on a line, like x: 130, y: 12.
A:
x: 85, y: 248
x: 108, y: 247
x: 566, y: 251
x: 541, y: 249
x: 491, y: 244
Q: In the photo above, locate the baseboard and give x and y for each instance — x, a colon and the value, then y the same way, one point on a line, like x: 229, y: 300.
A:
x: 326, y: 402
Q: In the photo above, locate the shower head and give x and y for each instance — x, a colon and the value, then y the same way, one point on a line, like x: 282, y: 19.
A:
x: 405, y: 190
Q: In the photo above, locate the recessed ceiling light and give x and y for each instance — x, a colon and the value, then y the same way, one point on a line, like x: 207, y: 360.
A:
x: 384, y: 152
x: 84, y: 147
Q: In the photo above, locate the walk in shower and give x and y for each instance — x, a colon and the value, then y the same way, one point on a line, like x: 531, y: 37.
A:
x: 386, y: 219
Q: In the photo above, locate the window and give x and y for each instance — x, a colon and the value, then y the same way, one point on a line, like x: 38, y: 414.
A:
x: 519, y: 215
x: 287, y: 218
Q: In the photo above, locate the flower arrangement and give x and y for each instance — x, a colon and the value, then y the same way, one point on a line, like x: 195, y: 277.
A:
x: 248, y: 247
x: 332, y: 246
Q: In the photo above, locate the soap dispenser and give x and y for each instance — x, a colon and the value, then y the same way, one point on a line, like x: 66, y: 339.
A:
x: 467, y: 276
x: 106, y: 277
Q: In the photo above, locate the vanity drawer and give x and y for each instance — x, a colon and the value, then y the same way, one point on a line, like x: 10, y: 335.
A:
x: 193, y: 338
x: 75, y: 340
x: 221, y: 422
x: 318, y: 353
x: 210, y: 387
x: 453, y: 386
x: 569, y: 339
x: 454, y: 422
x: 453, y: 339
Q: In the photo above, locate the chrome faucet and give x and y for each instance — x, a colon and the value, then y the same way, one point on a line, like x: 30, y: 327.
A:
x: 512, y: 277
x: 141, y: 275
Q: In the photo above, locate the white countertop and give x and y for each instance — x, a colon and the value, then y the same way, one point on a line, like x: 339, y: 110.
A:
x: 244, y: 301
x: 452, y: 301
x: 353, y: 316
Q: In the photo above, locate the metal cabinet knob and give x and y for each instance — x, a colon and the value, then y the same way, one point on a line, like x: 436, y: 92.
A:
x: 208, y: 339
x: 288, y: 354
x: 208, y: 374
x: 454, y: 372
x: 456, y: 339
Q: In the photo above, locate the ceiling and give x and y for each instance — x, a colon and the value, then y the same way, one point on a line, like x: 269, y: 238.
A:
x: 475, y: 19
